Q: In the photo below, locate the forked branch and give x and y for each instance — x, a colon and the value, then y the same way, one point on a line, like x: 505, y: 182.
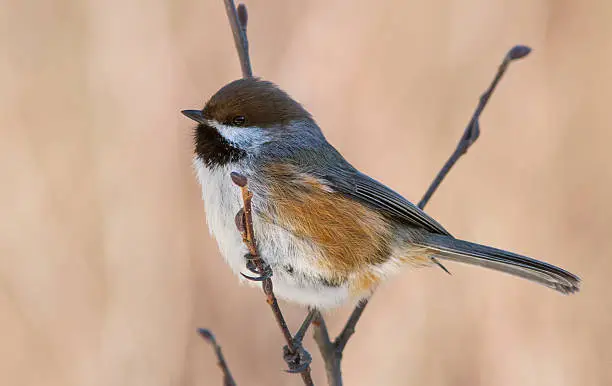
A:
x: 331, y: 351
x: 471, y: 133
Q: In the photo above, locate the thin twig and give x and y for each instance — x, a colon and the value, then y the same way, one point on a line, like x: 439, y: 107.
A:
x: 472, y: 131
x: 246, y: 228
x: 349, y: 327
x: 238, y: 19
x: 328, y: 351
x: 333, y: 357
x: 299, y: 335
x: 228, y: 380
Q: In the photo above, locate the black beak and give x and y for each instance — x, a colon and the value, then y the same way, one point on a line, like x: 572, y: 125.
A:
x: 196, y: 115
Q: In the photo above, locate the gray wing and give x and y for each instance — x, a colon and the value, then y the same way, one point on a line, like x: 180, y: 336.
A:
x: 374, y: 194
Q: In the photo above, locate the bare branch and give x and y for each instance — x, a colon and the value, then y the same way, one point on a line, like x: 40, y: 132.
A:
x: 228, y: 380
x: 297, y: 358
x: 238, y: 21
x: 472, y: 131
x: 333, y: 357
x: 332, y: 351
x: 349, y: 327
x: 328, y: 351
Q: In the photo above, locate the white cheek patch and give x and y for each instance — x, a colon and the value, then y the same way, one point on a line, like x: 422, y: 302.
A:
x: 247, y: 138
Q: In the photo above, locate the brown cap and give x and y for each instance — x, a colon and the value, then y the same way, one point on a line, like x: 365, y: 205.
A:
x: 259, y: 102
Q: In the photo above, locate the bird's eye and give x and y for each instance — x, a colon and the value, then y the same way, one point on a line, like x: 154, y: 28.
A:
x: 239, y: 120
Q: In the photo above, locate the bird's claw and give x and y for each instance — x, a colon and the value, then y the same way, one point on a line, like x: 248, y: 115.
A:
x: 297, y: 361
x: 250, y: 265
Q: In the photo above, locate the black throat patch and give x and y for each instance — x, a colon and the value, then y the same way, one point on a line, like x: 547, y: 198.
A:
x: 213, y: 149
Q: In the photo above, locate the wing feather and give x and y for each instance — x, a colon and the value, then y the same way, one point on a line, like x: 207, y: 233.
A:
x: 371, y: 192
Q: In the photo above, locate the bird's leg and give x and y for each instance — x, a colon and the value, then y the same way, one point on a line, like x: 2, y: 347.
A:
x: 299, y: 359
x: 250, y: 259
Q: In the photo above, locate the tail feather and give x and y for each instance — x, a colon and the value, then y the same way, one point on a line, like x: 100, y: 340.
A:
x: 449, y: 248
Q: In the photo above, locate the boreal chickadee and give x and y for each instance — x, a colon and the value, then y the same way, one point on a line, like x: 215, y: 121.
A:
x: 329, y: 233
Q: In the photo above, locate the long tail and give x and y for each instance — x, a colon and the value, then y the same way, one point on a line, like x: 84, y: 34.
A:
x: 449, y: 248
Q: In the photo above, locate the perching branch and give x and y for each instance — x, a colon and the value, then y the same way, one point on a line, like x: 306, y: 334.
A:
x: 471, y: 133
x: 228, y: 380
x: 238, y: 19
x: 296, y: 357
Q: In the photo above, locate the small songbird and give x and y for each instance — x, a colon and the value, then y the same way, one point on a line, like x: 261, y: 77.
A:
x: 329, y: 233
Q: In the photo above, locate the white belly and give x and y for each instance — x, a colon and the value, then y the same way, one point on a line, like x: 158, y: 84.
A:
x: 279, y: 248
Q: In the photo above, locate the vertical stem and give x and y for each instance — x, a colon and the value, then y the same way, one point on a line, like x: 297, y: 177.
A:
x: 248, y: 236
x: 332, y: 360
x: 238, y: 23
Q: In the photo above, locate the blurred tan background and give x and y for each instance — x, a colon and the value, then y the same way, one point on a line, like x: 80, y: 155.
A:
x: 106, y: 266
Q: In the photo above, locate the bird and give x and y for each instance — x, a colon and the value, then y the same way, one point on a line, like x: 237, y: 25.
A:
x: 328, y: 233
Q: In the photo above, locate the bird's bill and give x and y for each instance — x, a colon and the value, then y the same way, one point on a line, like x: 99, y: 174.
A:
x: 196, y: 115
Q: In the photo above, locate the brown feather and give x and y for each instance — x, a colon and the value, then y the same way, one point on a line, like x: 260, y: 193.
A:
x: 351, y: 236
x: 260, y: 102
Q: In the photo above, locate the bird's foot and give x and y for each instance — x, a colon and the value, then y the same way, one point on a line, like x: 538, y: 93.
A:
x: 251, y: 266
x: 299, y: 359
